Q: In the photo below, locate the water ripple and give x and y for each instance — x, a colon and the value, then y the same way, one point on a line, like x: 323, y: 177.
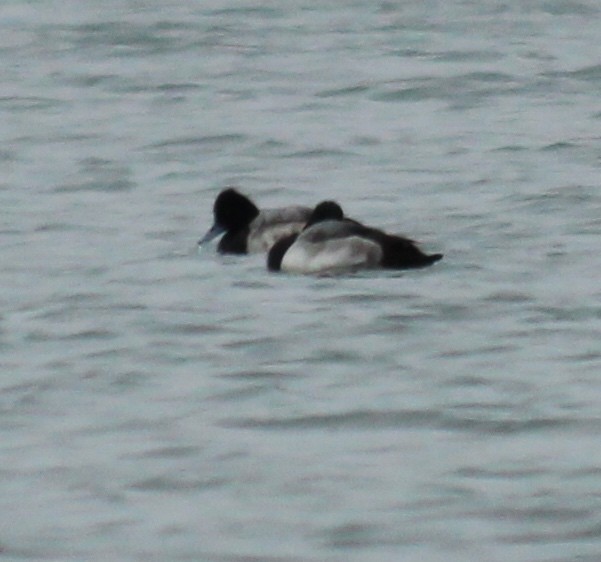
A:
x: 366, y: 419
x: 173, y: 484
x: 30, y: 103
x: 214, y: 141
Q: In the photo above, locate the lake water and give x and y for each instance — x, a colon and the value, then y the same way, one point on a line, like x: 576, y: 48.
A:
x: 157, y: 403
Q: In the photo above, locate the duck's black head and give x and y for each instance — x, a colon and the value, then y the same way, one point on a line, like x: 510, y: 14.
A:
x: 233, y: 211
x: 325, y: 211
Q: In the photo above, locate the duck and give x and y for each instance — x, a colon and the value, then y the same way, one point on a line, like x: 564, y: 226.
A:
x: 245, y: 229
x: 331, y: 242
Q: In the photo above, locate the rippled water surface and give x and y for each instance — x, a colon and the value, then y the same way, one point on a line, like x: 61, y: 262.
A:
x: 161, y: 404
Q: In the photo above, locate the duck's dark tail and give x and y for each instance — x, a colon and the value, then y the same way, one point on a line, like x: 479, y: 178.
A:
x: 415, y: 259
x: 401, y: 253
x: 432, y: 258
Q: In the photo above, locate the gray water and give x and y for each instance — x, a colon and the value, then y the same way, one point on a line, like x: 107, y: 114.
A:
x: 160, y: 404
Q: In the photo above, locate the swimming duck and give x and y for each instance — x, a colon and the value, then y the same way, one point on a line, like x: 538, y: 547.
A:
x: 246, y: 229
x: 331, y: 242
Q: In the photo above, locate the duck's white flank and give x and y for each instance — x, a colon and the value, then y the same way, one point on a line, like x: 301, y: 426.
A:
x: 330, y: 255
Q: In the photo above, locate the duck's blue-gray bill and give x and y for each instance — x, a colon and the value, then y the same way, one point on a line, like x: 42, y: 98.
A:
x: 213, y: 232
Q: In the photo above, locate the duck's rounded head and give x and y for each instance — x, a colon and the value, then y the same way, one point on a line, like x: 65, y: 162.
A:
x: 232, y: 210
x: 325, y: 211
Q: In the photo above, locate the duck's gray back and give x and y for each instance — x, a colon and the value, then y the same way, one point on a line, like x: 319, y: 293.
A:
x: 328, y: 230
x: 294, y: 213
x: 273, y: 224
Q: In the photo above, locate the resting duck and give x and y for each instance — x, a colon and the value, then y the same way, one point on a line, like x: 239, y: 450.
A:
x: 330, y: 242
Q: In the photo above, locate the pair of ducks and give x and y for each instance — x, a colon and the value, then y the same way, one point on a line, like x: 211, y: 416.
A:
x: 304, y: 240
